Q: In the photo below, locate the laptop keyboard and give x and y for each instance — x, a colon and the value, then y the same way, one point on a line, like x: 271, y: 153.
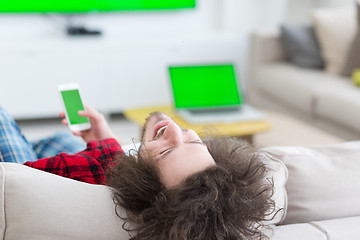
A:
x: 214, y: 110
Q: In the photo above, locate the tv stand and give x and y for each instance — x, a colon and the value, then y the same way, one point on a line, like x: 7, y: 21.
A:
x: 81, y: 31
x: 76, y: 28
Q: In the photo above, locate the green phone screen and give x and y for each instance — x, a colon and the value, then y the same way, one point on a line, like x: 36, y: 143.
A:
x: 73, y: 104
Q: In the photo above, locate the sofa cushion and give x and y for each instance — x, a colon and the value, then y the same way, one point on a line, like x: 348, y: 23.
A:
x: 340, y: 103
x: 303, y: 231
x: 323, y: 183
x: 340, y: 229
x: 301, y: 45
x: 293, y: 86
x: 39, y: 205
x: 335, y: 29
x: 335, y: 229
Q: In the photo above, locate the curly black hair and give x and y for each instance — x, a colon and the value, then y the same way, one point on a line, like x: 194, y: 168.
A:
x: 231, y: 200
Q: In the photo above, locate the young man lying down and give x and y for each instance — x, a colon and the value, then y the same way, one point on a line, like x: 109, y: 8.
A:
x: 176, y: 186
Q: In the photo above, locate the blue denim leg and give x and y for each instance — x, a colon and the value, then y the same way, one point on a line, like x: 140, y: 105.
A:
x: 13, y: 145
x: 60, y: 142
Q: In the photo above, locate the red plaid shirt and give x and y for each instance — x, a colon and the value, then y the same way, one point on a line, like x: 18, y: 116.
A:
x: 87, y: 166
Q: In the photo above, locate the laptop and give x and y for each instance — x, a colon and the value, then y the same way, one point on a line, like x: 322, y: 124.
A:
x: 209, y: 94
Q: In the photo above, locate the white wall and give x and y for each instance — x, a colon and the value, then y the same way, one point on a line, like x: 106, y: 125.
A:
x: 333, y: 3
x: 210, y: 16
x: 300, y: 11
x: 212, y: 23
x: 123, y: 68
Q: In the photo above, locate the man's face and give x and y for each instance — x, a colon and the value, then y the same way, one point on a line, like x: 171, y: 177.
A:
x: 177, y: 152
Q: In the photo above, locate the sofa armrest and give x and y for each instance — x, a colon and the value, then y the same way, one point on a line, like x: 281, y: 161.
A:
x: 267, y: 47
x: 40, y: 205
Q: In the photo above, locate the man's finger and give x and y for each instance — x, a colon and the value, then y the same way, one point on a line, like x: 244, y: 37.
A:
x: 78, y: 133
x: 89, y: 112
x: 81, y: 133
x: 64, y: 122
x: 84, y: 113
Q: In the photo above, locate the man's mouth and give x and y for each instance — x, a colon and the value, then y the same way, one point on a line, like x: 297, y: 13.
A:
x: 159, y: 129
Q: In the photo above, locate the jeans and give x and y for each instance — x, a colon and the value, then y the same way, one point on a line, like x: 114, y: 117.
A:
x: 14, y: 147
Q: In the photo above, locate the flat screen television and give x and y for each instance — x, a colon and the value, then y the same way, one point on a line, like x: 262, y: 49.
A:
x: 75, y: 7
x: 85, y: 6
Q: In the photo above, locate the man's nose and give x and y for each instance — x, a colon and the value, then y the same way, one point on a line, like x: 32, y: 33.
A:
x: 173, y: 133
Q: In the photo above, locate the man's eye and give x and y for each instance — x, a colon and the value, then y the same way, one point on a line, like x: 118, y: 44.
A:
x: 165, y: 151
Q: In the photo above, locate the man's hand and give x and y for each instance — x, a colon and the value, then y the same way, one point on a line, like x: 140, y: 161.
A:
x: 99, y: 127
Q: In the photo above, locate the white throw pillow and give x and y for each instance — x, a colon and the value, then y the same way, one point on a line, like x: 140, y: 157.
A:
x: 335, y: 29
x: 323, y: 183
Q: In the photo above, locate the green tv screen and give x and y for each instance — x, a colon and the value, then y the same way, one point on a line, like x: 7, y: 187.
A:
x: 71, y: 6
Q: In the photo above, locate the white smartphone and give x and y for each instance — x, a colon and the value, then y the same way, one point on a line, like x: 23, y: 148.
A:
x: 72, y: 102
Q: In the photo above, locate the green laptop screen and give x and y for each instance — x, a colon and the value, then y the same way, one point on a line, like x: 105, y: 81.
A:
x: 196, y: 87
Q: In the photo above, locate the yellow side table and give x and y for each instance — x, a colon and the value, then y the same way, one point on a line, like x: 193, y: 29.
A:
x: 239, y: 129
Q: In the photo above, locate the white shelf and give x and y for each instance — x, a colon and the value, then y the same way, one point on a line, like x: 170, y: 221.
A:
x: 114, y: 73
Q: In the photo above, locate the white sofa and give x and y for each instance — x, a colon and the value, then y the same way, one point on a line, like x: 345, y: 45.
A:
x: 328, y: 101
x: 321, y: 200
